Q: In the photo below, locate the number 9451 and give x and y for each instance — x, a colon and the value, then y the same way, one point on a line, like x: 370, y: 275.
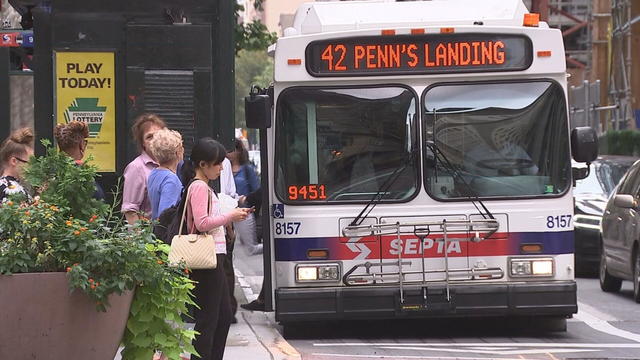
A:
x: 560, y: 221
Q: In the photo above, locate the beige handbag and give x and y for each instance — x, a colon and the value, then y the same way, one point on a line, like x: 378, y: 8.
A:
x: 197, y: 251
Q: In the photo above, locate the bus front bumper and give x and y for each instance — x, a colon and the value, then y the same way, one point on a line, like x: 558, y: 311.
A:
x: 551, y: 298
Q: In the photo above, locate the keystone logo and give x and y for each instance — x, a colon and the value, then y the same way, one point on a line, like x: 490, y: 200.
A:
x: 87, y: 111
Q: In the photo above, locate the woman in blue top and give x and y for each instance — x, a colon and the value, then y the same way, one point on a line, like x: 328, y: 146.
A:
x: 247, y: 182
x: 163, y: 185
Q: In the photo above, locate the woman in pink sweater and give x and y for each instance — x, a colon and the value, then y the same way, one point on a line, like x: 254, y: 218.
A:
x: 213, y: 315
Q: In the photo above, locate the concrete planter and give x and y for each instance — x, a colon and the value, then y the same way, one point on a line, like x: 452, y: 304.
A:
x: 40, y: 319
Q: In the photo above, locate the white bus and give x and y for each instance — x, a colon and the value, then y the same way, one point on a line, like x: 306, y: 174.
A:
x: 418, y: 163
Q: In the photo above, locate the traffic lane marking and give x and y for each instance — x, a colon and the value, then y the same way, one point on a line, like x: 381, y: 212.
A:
x: 597, y: 321
x: 320, y: 356
x: 512, y: 351
x: 478, y: 345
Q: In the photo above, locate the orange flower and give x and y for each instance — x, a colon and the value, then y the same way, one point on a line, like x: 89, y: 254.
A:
x: 68, y: 268
x: 97, y: 284
x: 93, y: 287
x: 186, y: 271
x: 76, y: 264
x: 76, y: 233
x: 54, y: 208
x: 90, y: 281
x: 68, y: 222
x: 160, y: 262
x: 9, y: 202
x: 83, y: 229
x: 27, y: 213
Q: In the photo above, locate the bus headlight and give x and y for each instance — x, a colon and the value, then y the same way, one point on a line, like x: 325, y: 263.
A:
x: 531, y: 267
x: 320, y: 272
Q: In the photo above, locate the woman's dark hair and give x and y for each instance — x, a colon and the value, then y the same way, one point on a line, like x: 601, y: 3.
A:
x: 205, y: 149
x: 243, y: 157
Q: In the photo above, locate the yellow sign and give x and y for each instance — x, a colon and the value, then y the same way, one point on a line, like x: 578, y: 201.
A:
x: 85, y: 91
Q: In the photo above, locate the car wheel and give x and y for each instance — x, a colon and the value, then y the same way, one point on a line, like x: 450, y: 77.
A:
x: 608, y: 283
x: 636, y: 278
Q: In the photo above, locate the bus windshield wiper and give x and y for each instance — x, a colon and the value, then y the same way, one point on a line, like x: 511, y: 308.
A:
x: 377, y: 198
x: 440, y: 157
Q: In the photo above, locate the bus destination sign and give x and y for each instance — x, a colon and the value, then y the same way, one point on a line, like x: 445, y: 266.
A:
x: 418, y: 54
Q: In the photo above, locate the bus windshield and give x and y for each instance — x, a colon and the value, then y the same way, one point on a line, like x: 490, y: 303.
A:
x: 342, y: 144
x: 503, y: 139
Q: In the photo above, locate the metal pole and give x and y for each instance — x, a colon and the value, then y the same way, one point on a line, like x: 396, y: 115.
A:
x: 5, y: 98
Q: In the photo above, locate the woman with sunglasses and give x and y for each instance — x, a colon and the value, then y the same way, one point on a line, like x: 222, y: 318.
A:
x: 15, y: 152
x: 72, y: 140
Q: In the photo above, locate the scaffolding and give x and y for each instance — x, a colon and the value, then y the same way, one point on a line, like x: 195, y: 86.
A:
x: 620, y: 55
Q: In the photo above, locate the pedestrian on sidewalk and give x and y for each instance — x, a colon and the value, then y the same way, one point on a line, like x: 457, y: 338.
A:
x: 163, y: 185
x: 247, y: 182
x: 228, y: 187
x: 135, y: 201
x: 15, y: 152
x: 72, y: 140
x: 213, y: 314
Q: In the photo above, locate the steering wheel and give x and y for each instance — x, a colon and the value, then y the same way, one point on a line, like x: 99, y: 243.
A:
x: 506, y: 164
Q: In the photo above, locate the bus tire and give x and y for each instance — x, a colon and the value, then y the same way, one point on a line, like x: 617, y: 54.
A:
x: 608, y: 283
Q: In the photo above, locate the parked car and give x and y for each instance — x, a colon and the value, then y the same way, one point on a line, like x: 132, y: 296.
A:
x: 590, y: 195
x: 620, y: 255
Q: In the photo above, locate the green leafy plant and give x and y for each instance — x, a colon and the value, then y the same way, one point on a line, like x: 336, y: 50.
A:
x: 64, y: 229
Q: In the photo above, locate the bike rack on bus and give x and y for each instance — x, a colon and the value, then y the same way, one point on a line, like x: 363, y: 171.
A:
x: 478, y: 230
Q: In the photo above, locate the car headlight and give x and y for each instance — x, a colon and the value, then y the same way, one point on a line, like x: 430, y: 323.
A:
x: 531, y: 267
x: 319, y: 272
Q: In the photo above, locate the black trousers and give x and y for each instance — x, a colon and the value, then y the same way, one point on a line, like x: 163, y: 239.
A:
x: 231, y: 282
x: 228, y: 269
x: 213, y: 315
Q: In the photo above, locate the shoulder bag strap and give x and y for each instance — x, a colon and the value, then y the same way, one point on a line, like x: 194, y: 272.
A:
x: 184, y: 211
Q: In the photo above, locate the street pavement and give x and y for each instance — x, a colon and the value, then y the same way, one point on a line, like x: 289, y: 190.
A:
x: 607, y: 326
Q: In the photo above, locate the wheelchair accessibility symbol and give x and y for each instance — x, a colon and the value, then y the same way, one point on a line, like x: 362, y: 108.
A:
x: 277, y: 211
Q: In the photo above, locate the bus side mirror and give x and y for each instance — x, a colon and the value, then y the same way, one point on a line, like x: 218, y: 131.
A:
x: 584, y: 144
x: 257, y: 109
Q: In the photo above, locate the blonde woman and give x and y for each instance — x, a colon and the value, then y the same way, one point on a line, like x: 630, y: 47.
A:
x: 163, y: 185
x: 15, y: 152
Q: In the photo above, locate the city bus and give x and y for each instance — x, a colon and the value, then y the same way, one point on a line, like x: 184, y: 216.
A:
x: 418, y: 163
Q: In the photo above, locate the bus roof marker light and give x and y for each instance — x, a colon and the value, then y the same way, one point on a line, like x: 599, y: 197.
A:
x: 294, y: 61
x: 388, y: 32
x: 531, y: 20
x: 546, y: 53
x: 447, y: 30
x: 417, y: 31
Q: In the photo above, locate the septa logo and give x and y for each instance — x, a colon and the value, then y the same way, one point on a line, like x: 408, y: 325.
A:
x: 87, y: 110
x: 410, y: 247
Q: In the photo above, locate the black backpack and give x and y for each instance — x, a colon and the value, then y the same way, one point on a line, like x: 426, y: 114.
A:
x: 168, y: 224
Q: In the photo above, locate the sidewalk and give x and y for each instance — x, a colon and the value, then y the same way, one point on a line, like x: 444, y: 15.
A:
x: 255, y: 336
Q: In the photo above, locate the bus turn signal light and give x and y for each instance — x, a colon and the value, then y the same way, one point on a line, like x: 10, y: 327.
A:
x: 417, y: 31
x: 447, y: 30
x: 313, y: 254
x: 530, y: 248
x: 294, y: 61
x: 388, y: 32
x: 546, y: 53
x: 531, y: 20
